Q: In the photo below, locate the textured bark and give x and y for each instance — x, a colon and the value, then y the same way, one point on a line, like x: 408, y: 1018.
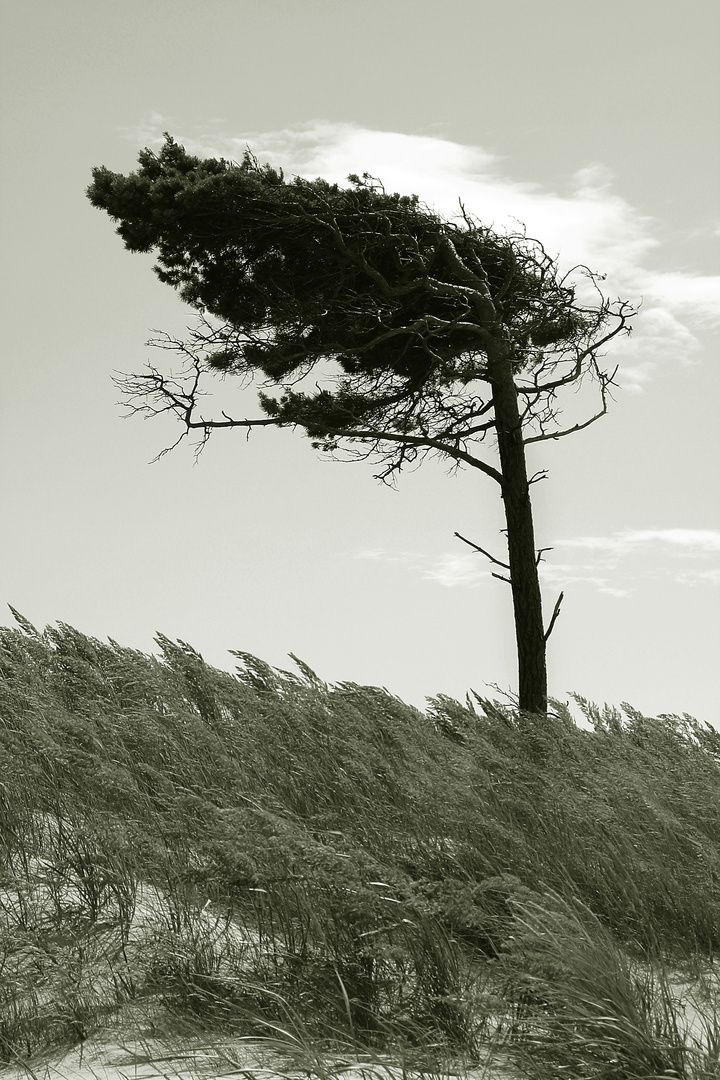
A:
x: 522, y: 555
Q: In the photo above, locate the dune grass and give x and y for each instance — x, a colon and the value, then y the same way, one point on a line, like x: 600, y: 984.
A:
x: 260, y: 856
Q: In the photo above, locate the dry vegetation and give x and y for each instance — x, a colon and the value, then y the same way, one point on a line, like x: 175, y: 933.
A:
x: 195, y: 862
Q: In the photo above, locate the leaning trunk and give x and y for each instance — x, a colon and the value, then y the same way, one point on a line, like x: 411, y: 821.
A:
x: 522, y: 556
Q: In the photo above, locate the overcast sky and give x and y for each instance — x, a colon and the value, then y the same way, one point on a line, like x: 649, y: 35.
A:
x: 594, y: 123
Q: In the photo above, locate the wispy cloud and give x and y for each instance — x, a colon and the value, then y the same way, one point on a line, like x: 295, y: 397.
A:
x: 564, y: 575
x: 698, y: 577
x: 689, y: 541
x: 457, y: 571
x: 588, y: 223
x: 613, y: 565
x: 449, y: 569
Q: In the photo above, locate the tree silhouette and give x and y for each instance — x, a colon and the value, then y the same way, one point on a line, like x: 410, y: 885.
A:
x: 378, y: 327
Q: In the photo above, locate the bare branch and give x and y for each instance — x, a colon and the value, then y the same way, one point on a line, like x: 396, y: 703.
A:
x: 540, y: 553
x: 166, y: 395
x: 556, y: 612
x: 421, y: 442
x: 624, y: 313
x: 605, y: 382
x: 485, y: 553
x: 230, y: 423
x: 500, y: 577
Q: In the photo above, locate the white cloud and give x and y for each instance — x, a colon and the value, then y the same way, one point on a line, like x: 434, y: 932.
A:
x: 700, y: 577
x: 695, y: 294
x: 589, y: 224
x: 455, y: 571
x: 449, y: 569
x: 620, y: 560
x: 612, y: 565
x: 563, y: 575
x: 662, y: 336
x: 620, y: 543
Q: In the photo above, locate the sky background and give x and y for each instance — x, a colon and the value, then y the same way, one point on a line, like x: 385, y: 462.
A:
x: 594, y: 123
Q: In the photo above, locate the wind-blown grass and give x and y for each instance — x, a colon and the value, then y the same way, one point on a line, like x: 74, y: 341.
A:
x: 263, y: 855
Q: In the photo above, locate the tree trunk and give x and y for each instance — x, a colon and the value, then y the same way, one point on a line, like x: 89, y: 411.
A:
x: 522, y: 557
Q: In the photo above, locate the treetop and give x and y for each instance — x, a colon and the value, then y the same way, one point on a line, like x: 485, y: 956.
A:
x: 307, y: 269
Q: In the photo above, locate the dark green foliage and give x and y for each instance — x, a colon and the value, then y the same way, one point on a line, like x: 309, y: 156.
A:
x: 223, y: 844
x: 401, y: 298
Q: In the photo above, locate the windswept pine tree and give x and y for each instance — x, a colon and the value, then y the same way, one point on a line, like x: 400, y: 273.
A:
x: 382, y: 329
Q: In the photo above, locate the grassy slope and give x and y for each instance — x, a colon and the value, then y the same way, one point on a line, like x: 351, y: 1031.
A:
x: 242, y: 851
